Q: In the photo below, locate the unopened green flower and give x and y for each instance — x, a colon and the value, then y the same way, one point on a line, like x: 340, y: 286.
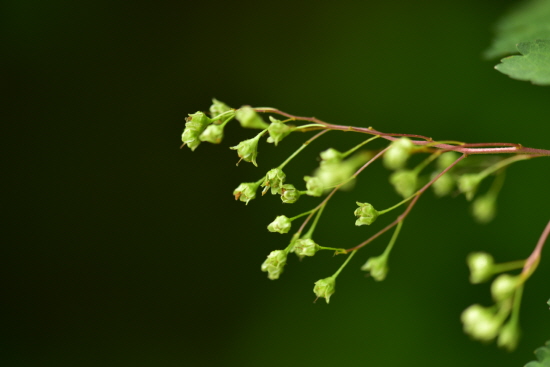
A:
x: 212, y: 134
x: 249, y: 118
x: 217, y: 108
x: 468, y: 183
x: 274, y: 179
x: 377, y: 266
x: 246, y: 191
x: 504, y: 286
x: 306, y: 247
x: 444, y: 184
x: 277, y: 131
x: 289, y: 194
x: 314, y: 186
x: 446, y: 159
x: 324, y: 288
x: 365, y: 213
x: 281, y: 224
x: 274, y: 264
x: 480, y: 323
x: 398, y: 153
x: 508, y: 336
x: 331, y: 155
x: 195, y: 125
x: 484, y: 208
x: 248, y: 150
x: 481, y: 267
x: 404, y: 182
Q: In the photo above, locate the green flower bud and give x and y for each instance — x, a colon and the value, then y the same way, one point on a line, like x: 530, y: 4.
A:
x: 212, y: 134
x: 218, y: 108
x: 481, y: 267
x: 331, y: 155
x: 249, y: 118
x: 377, y: 266
x: 444, y: 184
x: 446, y: 159
x: 509, y: 336
x: 468, y: 184
x: 314, y: 186
x: 306, y: 247
x: 324, y: 288
x: 274, y: 264
x: 289, y: 194
x: 248, y: 150
x: 504, y: 286
x: 480, y: 323
x: 274, y: 178
x: 277, y: 131
x: 398, y: 153
x: 404, y: 182
x: 246, y: 191
x: 195, y: 125
x: 281, y: 224
x: 484, y: 208
x: 365, y: 213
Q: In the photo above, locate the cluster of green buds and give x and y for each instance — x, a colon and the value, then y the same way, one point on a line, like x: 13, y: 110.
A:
x: 501, y: 320
x: 338, y: 171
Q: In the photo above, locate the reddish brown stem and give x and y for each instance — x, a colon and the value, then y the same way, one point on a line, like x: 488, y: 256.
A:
x: 470, y: 148
x: 534, y: 258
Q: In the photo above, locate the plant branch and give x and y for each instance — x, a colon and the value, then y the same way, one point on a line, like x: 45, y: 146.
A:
x: 534, y: 259
x: 465, y: 148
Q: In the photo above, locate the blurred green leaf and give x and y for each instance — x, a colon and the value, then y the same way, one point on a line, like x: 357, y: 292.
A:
x: 543, y: 355
x: 527, y: 22
x: 533, y: 66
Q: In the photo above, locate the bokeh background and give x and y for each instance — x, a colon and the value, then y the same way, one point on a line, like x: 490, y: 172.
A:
x: 123, y: 250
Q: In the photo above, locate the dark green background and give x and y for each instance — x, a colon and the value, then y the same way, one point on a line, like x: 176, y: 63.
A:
x: 123, y: 250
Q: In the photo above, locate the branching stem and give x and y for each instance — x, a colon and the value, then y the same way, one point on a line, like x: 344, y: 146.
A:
x: 465, y: 148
